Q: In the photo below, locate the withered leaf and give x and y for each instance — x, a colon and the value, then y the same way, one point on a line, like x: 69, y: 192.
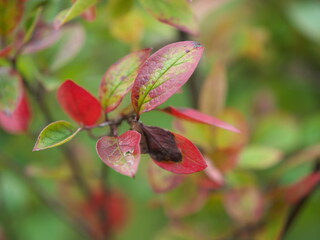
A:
x: 161, y: 144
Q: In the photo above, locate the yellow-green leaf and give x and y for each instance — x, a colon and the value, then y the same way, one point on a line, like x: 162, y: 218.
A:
x: 176, y: 13
x: 11, y: 90
x: 259, y: 157
x: 55, y: 134
x: 68, y: 14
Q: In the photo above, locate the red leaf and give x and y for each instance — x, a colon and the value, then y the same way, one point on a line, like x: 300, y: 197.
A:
x: 121, y: 153
x: 112, y: 204
x: 18, y: 121
x: 300, y: 189
x: 81, y: 105
x: 192, y: 160
x: 196, y: 116
x: 5, y: 51
x: 164, y: 73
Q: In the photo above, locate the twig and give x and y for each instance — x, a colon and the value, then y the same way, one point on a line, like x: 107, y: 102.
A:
x: 296, y: 210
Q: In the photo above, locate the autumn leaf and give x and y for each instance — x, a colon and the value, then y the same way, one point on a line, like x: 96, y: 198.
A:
x: 172, y: 151
x: 11, y: 90
x: 19, y: 120
x: 164, y: 73
x: 177, y: 13
x: 121, y: 153
x: 79, y: 103
x: 198, y: 117
x: 119, y: 78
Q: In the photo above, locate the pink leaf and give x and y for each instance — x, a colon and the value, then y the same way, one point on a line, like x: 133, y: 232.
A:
x: 79, y: 103
x: 196, y: 116
x: 214, y: 174
x: 19, y: 120
x: 300, y: 189
x: 121, y: 153
x: 164, y: 73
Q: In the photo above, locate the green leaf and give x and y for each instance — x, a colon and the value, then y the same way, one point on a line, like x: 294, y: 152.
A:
x: 11, y: 90
x: 55, y: 134
x: 33, y: 22
x: 259, y: 157
x: 68, y: 14
x: 176, y: 13
x: 119, y: 78
x: 305, y: 16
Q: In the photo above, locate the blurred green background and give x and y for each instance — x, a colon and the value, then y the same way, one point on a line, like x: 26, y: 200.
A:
x: 271, y: 51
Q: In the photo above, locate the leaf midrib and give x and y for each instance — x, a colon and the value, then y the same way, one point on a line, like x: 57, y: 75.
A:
x: 164, y: 72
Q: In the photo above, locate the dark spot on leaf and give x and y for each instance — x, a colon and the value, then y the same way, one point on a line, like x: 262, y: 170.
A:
x: 161, y: 144
x: 196, y: 44
x: 187, y: 51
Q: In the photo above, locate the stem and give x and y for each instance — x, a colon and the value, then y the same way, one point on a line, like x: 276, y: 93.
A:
x: 296, y: 210
x: 77, y: 172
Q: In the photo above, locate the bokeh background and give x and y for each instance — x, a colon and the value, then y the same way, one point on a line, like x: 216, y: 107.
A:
x: 262, y: 59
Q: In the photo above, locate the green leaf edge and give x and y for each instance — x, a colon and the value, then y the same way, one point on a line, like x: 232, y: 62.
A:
x: 59, y: 143
x: 65, y: 14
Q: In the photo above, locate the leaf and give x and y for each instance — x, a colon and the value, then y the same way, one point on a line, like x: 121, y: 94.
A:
x: 11, y: 13
x: 73, y: 39
x: 121, y: 153
x: 163, y: 181
x: 79, y: 103
x: 214, y: 174
x: 164, y: 73
x: 43, y: 37
x: 11, y: 90
x: 77, y: 8
x: 19, y: 120
x: 213, y: 91
x: 199, y: 134
x: 259, y: 157
x: 222, y: 139
x: 184, y: 200
x: 198, y: 117
x: 119, y: 8
x: 5, y: 51
x: 130, y: 27
x: 245, y: 205
x: 55, y: 134
x: 177, y: 13
x: 31, y: 28
x: 305, y: 16
x: 119, y: 78
x: 301, y: 188
x: 172, y: 151
x: 277, y: 130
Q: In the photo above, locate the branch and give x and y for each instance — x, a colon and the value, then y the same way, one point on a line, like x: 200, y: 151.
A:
x: 296, y: 210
